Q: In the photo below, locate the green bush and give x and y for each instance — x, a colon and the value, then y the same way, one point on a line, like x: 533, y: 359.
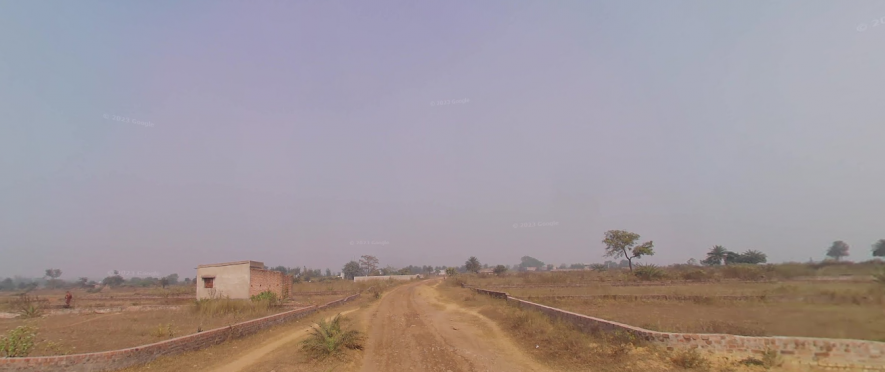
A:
x: 328, y: 339
x: 18, y: 342
x: 268, y: 296
x: 648, y: 272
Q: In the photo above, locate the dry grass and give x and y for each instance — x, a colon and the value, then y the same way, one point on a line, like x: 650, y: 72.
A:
x: 830, y: 309
x: 562, y: 347
x: 863, y: 322
x: 80, y: 333
x: 286, y: 358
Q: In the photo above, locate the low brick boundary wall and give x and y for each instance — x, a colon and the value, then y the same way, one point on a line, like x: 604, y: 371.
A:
x: 119, y: 359
x: 320, y: 293
x: 820, y: 352
x: 620, y: 297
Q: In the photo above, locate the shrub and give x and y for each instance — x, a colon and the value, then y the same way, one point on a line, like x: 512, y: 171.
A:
x: 164, y: 331
x: 223, y: 306
x: 648, y: 272
x: 267, y: 296
x: 696, y: 275
x: 328, y: 339
x: 28, y: 306
x: 18, y: 342
x: 690, y: 359
x: 771, y: 359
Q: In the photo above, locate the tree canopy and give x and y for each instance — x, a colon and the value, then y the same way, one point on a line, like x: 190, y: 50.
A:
x: 473, y: 265
x: 528, y: 261
x: 879, y: 248
x: 620, y: 243
x: 838, y: 250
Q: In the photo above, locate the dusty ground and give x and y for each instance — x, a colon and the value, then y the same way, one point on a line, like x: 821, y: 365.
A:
x: 412, y: 329
x: 752, y: 318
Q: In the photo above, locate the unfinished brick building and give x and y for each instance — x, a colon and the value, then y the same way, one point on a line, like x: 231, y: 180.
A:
x: 240, y: 280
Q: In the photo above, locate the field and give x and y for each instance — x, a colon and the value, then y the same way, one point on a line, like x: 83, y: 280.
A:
x: 127, y: 317
x: 852, y: 307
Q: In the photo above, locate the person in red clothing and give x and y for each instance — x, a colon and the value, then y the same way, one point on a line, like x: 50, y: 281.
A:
x: 68, y: 298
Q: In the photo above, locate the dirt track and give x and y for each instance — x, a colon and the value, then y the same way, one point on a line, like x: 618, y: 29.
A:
x: 413, y: 330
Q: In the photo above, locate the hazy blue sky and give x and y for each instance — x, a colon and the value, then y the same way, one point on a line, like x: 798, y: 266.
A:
x: 284, y: 130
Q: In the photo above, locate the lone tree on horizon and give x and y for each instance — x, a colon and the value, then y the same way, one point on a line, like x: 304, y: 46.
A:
x: 369, y: 263
x: 472, y: 265
x: 620, y: 243
x: 838, y: 250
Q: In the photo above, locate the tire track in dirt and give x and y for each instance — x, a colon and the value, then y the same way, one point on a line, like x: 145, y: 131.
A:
x: 413, y: 330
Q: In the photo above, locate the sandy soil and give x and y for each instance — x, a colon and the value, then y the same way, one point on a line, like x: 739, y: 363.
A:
x: 413, y: 329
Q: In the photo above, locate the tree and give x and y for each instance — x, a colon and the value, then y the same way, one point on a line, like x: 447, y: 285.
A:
x: 352, y: 269
x: 527, y: 261
x: 715, y: 256
x: 472, y: 265
x: 171, y: 279
x: 164, y: 282
x: 838, y: 250
x: 563, y: 266
x: 450, y: 271
x: 731, y: 258
x: 7, y: 285
x: 53, y: 273
x: 752, y: 257
x: 281, y: 269
x: 500, y: 269
x: 578, y: 266
x: 113, y: 281
x: 879, y: 248
x: 550, y: 267
x: 82, y: 281
x: 369, y: 264
x: 620, y: 243
x: 692, y: 262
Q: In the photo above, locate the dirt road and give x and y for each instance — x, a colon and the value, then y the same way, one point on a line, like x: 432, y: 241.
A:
x: 413, y: 329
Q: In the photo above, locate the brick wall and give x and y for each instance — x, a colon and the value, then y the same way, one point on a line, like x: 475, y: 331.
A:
x: 264, y: 280
x: 822, y: 352
x: 118, y: 359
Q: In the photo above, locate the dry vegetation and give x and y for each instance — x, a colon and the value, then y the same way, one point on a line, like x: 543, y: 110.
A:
x: 561, y: 346
x: 808, y: 303
x: 88, y: 331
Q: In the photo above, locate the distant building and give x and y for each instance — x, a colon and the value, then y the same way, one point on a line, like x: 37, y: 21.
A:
x: 486, y: 271
x: 531, y: 269
x: 240, y: 280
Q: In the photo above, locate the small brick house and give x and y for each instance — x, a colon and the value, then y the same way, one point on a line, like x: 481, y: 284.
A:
x: 240, y: 280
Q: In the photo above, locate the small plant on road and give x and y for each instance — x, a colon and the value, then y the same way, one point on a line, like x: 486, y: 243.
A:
x: 330, y: 339
x: 18, y: 342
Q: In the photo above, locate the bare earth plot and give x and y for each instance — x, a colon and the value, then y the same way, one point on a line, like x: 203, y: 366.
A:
x: 412, y: 330
x: 409, y: 329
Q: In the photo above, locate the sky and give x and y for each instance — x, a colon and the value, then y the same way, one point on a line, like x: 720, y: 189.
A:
x: 154, y: 136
